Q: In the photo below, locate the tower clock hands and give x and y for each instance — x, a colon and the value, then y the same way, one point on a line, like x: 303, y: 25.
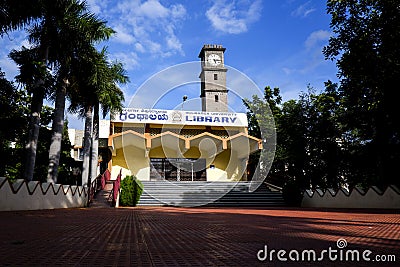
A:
x: 214, y: 59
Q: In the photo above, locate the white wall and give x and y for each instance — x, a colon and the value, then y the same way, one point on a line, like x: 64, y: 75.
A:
x: 34, y: 195
x: 390, y: 199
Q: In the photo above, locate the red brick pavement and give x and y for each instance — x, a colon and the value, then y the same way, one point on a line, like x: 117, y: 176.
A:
x: 162, y: 236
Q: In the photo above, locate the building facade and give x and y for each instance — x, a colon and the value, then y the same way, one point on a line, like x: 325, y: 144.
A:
x: 177, y: 145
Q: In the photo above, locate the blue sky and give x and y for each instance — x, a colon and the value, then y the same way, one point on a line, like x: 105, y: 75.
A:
x: 274, y: 42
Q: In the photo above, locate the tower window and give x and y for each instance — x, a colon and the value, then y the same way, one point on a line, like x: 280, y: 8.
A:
x: 215, y: 76
x: 216, y: 98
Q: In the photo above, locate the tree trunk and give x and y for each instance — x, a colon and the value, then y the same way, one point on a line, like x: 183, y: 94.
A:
x: 34, y: 124
x: 87, y: 146
x: 95, y: 142
x: 57, y: 129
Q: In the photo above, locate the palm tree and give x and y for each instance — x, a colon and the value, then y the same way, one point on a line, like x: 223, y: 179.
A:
x: 110, y: 98
x: 15, y: 15
x: 76, y: 33
x: 99, y: 80
x: 60, y: 29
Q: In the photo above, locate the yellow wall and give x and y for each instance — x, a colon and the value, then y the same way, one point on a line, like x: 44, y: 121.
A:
x: 132, y: 160
x: 227, y: 167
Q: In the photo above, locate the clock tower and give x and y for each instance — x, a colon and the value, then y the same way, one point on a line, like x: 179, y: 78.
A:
x: 214, y: 95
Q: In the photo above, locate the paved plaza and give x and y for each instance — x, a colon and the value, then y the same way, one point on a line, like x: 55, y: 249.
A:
x: 167, y: 236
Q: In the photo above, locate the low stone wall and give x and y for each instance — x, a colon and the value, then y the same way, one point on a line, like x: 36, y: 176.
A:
x: 373, y: 198
x: 22, y: 195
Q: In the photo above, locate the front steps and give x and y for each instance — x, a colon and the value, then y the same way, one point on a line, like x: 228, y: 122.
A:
x: 210, y: 194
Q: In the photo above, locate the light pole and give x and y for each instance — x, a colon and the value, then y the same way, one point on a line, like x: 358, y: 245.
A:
x: 183, y: 101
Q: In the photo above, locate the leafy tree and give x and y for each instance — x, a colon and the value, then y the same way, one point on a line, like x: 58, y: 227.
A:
x: 292, y: 142
x: 14, y: 117
x: 323, y: 137
x: 365, y: 45
x: 307, y: 148
x: 38, y: 83
x: 12, y: 124
x: 261, y: 115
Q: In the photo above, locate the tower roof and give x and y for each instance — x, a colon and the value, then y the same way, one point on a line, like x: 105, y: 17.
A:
x: 211, y: 47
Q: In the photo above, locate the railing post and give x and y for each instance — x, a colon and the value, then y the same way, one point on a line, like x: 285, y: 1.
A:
x: 116, y: 187
x: 117, y: 200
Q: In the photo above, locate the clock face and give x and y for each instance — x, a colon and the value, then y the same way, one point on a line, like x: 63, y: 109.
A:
x: 214, y: 60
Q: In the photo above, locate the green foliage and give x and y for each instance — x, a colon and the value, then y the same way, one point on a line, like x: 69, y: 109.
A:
x: 131, y: 190
x: 66, y: 161
x: 262, y: 115
x: 99, y: 77
x: 15, y: 108
x: 350, y: 132
x: 13, y: 121
x: 365, y: 47
x: 62, y: 35
x: 292, y: 193
x: 32, y: 70
x: 307, y: 148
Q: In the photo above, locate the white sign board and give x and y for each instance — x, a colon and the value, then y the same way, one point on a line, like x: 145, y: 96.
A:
x: 159, y: 116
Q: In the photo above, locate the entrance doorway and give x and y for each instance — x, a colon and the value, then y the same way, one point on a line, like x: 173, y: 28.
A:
x: 178, y: 169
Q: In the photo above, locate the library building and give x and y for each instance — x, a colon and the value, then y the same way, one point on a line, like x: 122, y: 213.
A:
x: 178, y: 145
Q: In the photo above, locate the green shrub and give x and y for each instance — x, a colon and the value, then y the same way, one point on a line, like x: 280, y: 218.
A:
x: 131, y: 190
x: 292, y: 193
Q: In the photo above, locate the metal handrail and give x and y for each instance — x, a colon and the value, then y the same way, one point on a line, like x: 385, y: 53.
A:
x: 93, y: 190
x: 98, y: 184
x: 116, y: 188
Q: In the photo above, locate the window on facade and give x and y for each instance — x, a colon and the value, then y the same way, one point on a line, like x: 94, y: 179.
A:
x: 216, y: 98
x: 215, y: 76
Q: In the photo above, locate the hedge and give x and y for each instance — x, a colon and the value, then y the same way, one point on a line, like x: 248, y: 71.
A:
x: 131, y: 190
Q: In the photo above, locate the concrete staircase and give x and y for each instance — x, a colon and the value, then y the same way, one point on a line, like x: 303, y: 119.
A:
x: 210, y: 194
x: 101, y: 199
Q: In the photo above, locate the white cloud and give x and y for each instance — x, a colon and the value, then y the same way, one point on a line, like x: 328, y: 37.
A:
x: 153, y: 47
x: 129, y: 60
x: 153, y: 9
x: 13, y: 40
x: 173, y: 43
x: 234, y: 17
x: 150, y: 25
x: 139, y: 47
x: 9, y: 68
x: 177, y: 11
x: 94, y: 6
x: 122, y: 35
x: 303, y: 10
x: 287, y: 70
x: 316, y: 37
